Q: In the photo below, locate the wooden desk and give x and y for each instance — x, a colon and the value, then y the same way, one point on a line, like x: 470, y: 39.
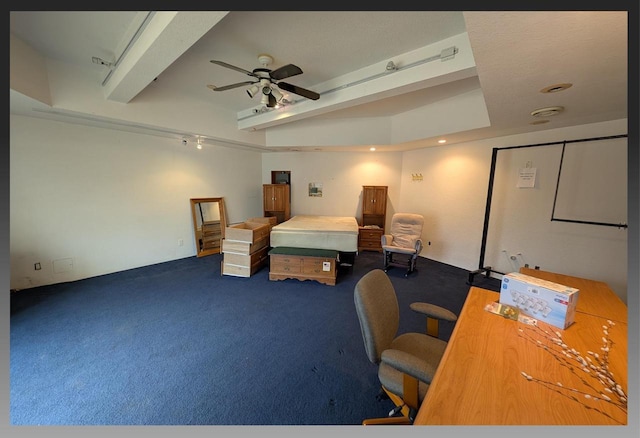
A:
x: 479, y: 380
x: 595, y: 297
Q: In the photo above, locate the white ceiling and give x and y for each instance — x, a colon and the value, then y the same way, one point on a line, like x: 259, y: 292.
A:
x: 516, y: 54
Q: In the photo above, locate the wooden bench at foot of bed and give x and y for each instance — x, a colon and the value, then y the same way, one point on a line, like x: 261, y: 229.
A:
x: 303, y: 264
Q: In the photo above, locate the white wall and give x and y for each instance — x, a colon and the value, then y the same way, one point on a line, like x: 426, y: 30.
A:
x: 342, y: 175
x: 97, y: 200
x: 452, y: 197
x: 111, y: 200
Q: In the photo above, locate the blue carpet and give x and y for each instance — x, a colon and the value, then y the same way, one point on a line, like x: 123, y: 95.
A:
x: 177, y: 343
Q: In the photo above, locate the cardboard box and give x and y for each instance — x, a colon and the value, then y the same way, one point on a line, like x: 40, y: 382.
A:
x: 249, y: 232
x: 543, y: 300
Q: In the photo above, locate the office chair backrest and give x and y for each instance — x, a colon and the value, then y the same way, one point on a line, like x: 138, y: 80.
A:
x: 406, y: 228
x: 378, y: 312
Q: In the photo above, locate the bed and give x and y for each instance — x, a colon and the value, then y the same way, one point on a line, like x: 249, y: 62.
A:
x: 337, y: 233
x: 311, y: 247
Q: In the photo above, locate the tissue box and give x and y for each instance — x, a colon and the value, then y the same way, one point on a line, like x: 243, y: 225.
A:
x: 544, y: 300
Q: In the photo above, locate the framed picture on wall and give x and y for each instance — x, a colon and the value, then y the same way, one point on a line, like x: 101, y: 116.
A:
x: 315, y: 189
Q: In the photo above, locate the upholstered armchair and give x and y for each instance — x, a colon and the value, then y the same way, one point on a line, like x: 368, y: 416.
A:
x: 403, y: 244
x: 406, y: 362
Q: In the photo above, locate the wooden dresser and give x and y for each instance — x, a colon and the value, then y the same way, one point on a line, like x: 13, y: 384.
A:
x: 277, y: 201
x: 374, y: 217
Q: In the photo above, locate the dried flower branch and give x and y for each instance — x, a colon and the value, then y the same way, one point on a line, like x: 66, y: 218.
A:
x: 592, y: 368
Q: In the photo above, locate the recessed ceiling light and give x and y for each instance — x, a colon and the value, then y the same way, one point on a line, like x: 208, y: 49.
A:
x: 546, y: 112
x: 539, y: 122
x: 441, y: 141
x: 372, y: 149
x: 555, y: 88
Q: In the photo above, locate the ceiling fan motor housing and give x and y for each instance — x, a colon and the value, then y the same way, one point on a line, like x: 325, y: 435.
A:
x: 264, y: 59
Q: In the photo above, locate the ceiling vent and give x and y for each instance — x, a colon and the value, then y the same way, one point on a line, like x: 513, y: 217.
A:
x: 546, y: 112
x: 556, y: 88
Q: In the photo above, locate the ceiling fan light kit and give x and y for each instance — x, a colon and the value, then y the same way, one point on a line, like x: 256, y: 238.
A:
x: 253, y: 90
x: 267, y: 78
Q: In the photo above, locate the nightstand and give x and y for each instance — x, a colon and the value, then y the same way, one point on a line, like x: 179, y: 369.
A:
x: 370, y: 239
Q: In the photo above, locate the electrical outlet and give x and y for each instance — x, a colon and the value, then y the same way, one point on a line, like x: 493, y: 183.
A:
x: 180, y: 242
x: 37, y: 266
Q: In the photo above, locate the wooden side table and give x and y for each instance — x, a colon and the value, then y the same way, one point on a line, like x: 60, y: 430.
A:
x: 370, y: 239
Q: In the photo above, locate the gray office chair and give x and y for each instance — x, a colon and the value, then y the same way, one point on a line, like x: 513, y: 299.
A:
x: 406, y: 362
x: 403, y: 244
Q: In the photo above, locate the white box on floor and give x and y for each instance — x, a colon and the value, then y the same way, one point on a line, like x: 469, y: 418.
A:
x: 544, y: 300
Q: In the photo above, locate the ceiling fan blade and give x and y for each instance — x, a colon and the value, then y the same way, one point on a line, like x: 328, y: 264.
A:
x: 299, y: 90
x: 232, y: 67
x: 229, y: 87
x: 286, y: 71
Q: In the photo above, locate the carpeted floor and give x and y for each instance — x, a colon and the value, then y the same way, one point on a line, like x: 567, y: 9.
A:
x: 179, y: 344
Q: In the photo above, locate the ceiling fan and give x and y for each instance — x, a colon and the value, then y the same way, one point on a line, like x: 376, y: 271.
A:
x: 264, y: 81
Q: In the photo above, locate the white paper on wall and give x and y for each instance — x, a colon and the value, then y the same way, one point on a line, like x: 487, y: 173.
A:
x: 527, y: 177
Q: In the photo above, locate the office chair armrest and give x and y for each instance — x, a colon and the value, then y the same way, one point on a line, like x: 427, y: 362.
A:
x: 386, y: 239
x: 433, y: 311
x: 418, y: 246
x: 408, y: 364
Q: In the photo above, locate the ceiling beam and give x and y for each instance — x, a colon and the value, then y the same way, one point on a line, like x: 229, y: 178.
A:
x: 161, y: 39
x: 436, y: 64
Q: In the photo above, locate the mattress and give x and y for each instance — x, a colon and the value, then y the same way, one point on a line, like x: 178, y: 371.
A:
x: 319, y: 232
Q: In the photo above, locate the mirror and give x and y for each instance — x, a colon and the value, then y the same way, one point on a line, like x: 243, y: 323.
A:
x: 209, y: 224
